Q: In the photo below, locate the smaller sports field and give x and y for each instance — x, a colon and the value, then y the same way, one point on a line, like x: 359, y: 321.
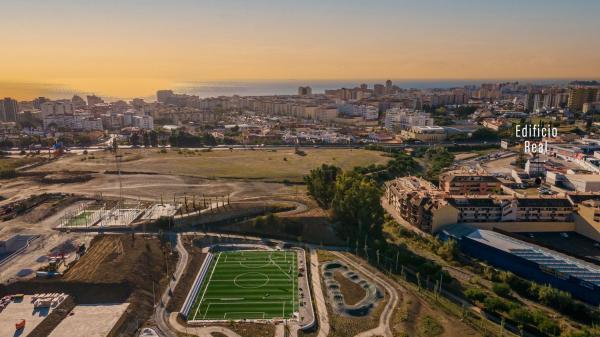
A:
x: 248, y: 285
x: 84, y: 218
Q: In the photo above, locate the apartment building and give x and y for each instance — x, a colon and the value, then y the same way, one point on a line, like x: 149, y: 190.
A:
x: 427, y: 134
x: 463, y: 183
x: 397, y: 119
x: 429, y: 208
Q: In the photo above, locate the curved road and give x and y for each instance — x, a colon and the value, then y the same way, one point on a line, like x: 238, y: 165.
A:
x: 167, y: 322
x: 321, y: 306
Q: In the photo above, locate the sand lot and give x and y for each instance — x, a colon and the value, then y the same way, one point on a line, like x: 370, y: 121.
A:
x: 90, y: 320
x: 17, y: 311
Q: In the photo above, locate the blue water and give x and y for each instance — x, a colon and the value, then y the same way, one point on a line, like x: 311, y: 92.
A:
x: 290, y: 87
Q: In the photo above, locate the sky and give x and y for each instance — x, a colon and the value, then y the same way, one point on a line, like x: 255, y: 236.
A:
x: 132, y: 48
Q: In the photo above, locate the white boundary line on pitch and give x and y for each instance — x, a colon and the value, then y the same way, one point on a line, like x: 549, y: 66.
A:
x: 207, y: 283
x: 240, y: 303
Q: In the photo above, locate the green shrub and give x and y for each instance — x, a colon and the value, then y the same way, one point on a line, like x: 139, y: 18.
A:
x: 475, y: 294
x: 496, y: 304
x: 520, y: 315
x: 501, y: 289
x: 7, y: 173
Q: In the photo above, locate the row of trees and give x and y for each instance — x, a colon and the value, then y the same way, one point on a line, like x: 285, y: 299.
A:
x: 146, y: 138
x: 353, y: 201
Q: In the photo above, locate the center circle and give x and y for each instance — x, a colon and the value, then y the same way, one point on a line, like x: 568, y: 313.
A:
x: 251, y: 280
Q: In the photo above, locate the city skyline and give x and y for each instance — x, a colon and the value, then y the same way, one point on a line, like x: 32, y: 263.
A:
x: 132, y: 48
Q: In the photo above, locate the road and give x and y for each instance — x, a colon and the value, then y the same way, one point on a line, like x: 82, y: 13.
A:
x: 161, y: 316
x: 167, y: 322
x: 386, y: 317
x: 100, y: 147
x: 321, y: 306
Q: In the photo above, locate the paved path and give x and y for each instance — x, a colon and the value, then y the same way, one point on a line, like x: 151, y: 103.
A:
x: 167, y: 322
x: 321, y: 306
x: 386, y: 316
x: 198, y: 331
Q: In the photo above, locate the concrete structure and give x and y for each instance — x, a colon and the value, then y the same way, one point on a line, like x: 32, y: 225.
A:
x: 428, y: 134
x: 8, y: 110
x: 92, y: 320
x: 143, y: 122
x: 304, y: 91
x: 93, y: 100
x: 460, y: 182
x: 404, y: 119
x: 578, y: 96
x: 428, y: 208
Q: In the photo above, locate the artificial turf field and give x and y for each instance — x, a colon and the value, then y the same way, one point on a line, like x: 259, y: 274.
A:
x: 248, y: 285
x: 81, y: 219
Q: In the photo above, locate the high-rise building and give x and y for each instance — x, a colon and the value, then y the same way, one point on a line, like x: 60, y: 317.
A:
x: 378, y: 90
x: 163, y: 95
x: 37, y: 103
x: 93, y: 100
x: 8, y: 110
x: 581, y: 95
x: 304, y: 91
x: 388, y: 84
x: 78, y: 102
x: 58, y: 108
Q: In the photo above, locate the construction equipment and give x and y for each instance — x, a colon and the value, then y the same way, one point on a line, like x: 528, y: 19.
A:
x: 20, y: 325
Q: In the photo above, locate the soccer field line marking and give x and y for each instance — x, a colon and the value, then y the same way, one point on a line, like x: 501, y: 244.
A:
x: 279, y: 267
x: 207, y: 284
x: 262, y: 279
x: 244, y: 312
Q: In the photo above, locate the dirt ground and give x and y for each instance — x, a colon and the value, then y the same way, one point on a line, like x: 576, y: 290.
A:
x: 39, y: 221
x: 352, y: 292
x: 267, y: 165
x: 137, y: 263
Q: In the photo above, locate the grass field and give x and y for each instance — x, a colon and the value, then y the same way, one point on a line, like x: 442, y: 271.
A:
x: 248, y: 285
x: 82, y: 219
x: 245, y: 164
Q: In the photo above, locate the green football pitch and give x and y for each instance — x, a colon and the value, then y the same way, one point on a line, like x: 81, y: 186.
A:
x: 248, y: 285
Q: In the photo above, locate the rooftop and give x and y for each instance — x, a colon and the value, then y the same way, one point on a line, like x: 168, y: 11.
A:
x: 545, y: 258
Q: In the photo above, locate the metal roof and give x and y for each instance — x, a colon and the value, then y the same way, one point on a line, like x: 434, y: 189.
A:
x: 547, y: 259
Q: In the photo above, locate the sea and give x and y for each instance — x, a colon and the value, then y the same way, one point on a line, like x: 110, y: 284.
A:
x: 290, y: 87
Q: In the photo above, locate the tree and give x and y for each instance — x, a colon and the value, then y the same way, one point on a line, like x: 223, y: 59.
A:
x: 115, y: 145
x: 356, y: 207
x: 146, y: 139
x: 321, y: 184
x: 437, y: 159
x: 134, y: 139
x: 485, y: 134
x: 153, y: 138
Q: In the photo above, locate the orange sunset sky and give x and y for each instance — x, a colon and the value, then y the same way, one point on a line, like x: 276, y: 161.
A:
x: 133, y: 47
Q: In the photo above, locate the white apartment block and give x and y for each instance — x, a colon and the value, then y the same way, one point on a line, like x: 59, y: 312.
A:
x: 73, y: 122
x: 56, y: 108
x: 143, y: 122
x: 404, y: 119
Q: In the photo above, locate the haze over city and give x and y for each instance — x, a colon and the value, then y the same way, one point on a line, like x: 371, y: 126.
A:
x: 132, y: 48
x: 316, y: 168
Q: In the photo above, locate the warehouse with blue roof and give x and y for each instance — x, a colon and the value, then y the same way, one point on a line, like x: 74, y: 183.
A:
x: 529, y: 261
